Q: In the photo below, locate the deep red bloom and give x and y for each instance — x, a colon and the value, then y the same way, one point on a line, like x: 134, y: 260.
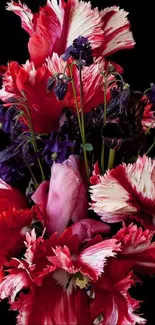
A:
x: 137, y: 248
x: 44, y: 107
x: 13, y: 223
x: 11, y: 197
x: 56, y: 273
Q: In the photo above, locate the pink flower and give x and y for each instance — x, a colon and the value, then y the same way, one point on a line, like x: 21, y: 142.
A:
x: 64, y: 198
x: 126, y: 191
x: 56, y: 272
x: 11, y: 197
x: 55, y: 27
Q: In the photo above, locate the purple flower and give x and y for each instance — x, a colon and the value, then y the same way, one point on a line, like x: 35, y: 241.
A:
x: 8, y: 120
x: 10, y: 172
x: 60, y: 89
x: 151, y: 93
x: 81, y: 51
x: 56, y: 149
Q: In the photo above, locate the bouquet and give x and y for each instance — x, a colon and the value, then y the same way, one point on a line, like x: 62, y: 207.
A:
x: 77, y: 172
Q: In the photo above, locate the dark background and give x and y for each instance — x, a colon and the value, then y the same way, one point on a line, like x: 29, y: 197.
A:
x: 139, y: 71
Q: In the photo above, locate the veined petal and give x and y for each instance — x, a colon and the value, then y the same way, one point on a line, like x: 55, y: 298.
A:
x: 137, y: 247
x: 127, y: 190
x: 24, y: 13
x: 116, y: 31
x: 93, y: 259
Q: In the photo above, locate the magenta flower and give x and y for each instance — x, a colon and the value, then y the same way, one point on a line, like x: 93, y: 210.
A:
x: 126, y: 191
x: 64, y: 198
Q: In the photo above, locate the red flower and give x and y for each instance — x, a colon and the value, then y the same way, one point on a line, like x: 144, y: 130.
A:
x: 137, y: 248
x: 44, y: 108
x: 112, y: 303
x: 11, y: 197
x: 12, y: 231
x: 126, y: 191
x: 56, y: 272
x: 55, y: 27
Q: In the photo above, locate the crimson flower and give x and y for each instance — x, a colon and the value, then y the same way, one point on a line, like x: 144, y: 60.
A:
x: 11, y: 197
x: 56, y: 272
x: 126, y: 191
x: 64, y: 198
x: 137, y: 249
x: 13, y: 223
x: 57, y: 25
x: 44, y: 107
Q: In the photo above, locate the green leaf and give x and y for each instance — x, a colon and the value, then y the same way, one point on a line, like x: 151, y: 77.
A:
x: 87, y: 146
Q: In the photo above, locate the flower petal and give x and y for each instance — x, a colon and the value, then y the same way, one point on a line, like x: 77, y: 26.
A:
x: 93, y: 259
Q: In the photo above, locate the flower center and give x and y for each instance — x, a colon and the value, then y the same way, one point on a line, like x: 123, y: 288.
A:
x: 81, y: 280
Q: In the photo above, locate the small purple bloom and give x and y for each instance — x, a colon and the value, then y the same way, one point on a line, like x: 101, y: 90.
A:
x: 56, y: 149
x: 60, y: 89
x: 50, y: 83
x: 8, y: 119
x: 80, y: 51
x: 151, y: 93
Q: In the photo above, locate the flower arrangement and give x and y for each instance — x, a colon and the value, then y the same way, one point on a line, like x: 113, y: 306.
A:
x: 77, y: 171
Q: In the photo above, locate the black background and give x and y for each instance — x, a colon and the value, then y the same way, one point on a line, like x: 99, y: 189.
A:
x: 139, y: 71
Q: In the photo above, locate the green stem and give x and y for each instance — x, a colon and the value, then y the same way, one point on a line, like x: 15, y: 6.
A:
x: 75, y: 98
x: 104, y: 123
x: 80, y: 119
x: 150, y: 147
x: 148, y: 129
x: 32, y: 174
x: 148, y: 89
x: 82, y: 124
x: 34, y: 143
x: 111, y: 159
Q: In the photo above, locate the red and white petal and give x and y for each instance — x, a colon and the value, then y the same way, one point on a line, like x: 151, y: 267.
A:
x: 116, y: 31
x: 50, y: 304
x: 24, y: 13
x: 127, y: 190
x: 137, y: 247
x: 110, y: 199
x: 113, y: 301
x: 85, y: 21
x: 92, y: 260
x: 13, y: 284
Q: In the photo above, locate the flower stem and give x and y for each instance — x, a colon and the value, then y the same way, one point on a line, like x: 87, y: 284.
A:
x: 150, y: 148
x: 80, y: 118
x: 34, y: 143
x: 82, y: 124
x: 104, y: 123
x: 111, y: 159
